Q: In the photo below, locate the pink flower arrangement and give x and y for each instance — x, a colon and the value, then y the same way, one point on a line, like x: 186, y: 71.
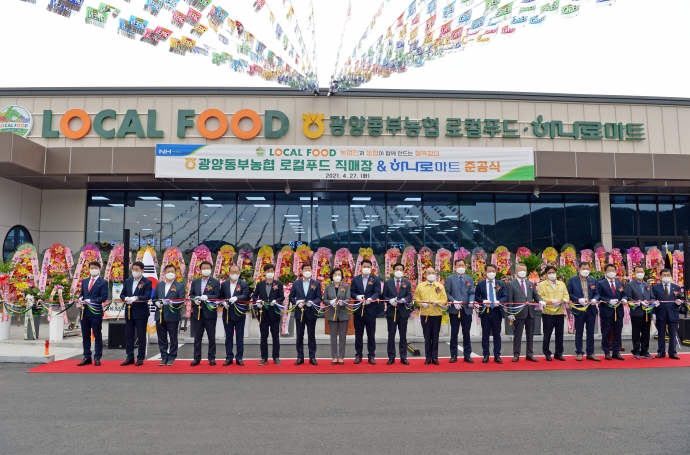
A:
x: 522, y: 252
x: 616, y: 258
x: 462, y: 253
x: 392, y: 256
x: 303, y: 255
x: 224, y: 260
x: 344, y: 260
x: 321, y: 266
x: 425, y: 259
x: 263, y: 257
x: 367, y: 253
x: 600, y: 258
x: 173, y: 256
x: 569, y: 257
x: 549, y: 256
x: 479, y: 263
x: 444, y: 266
x: 410, y: 265
x: 679, y: 269
x: 655, y: 262
x: 587, y: 256
x: 635, y: 257
x: 501, y: 258
x: 89, y: 253
x: 57, y: 260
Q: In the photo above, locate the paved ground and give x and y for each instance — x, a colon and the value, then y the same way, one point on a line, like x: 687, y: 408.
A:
x: 594, y: 412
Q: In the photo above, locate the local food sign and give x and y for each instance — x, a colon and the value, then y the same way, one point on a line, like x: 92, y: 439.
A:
x: 15, y: 119
x: 308, y: 162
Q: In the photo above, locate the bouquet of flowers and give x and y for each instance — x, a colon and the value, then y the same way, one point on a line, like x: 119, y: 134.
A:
x: 284, y: 264
x: 367, y: 253
x: 303, y: 255
x: 321, y: 265
x: 201, y: 253
x: 569, y: 256
x: 392, y: 256
x: 444, y: 264
x: 655, y: 262
x: 263, y: 257
x: 115, y: 267
x: 89, y: 253
x: 344, y: 260
x: 462, y: 253
x: 479, y: 263
x: 600, y: 258
x: 57, y: 261
x: 549, y: 256
x: 245, y: 261
x: 587, y: 256
x: 25, y: 271
x: 224, y: 260
x: 425, y: 259
x: 616, y: 258
x: 173, y: 256
x: 410, y: 266
x: 679, y: 269
x: 501, y: 259
x: 635, y: 257
x: 522, y: 252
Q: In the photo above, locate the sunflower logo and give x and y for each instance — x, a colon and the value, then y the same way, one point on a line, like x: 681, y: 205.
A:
x: 260, y: 151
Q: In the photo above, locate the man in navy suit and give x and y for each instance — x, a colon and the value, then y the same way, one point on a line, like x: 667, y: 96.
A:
x: 204, y: 318
x: 269, y: 291
x: 306, y: 294
x: 639, y: 292
x: 460, y: 291
x: 235, y: 292
x: 582, y: 290
x: 168, y: 314
x: 366, y: 288
x: 136, y: 293
x: 611, y: 311
x: 397, y: 293
x: 94, y: 291
x: 488, y: 294
x: 668, y: 298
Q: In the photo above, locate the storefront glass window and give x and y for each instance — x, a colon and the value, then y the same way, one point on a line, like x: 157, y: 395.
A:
x: 293, y: 219
x: 477, y: 221
x: 582, y: 220
x: 441, y: 221
x: 180, y: 226
x: 404, y: 221
x: 143, y: 211
x: 512, y: 220
x: 548, y: 222
x: 666, y: 224
x: 105, y: 218
x: 255, y: 219
x: 217, y: 219
x: 623, y: 215
x: 331, y: 221
x: 367, y: 222
x: 647, y: 211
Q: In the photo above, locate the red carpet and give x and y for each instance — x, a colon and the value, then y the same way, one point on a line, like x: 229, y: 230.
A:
x: 324, y: 367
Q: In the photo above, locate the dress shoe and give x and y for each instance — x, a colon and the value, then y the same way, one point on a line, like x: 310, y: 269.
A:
x: 127, y: 362
x: 618, y: 357
x: 435, y: 361
x: 548, y: 357
x: 453, y: 359
x: 372, y: 360
x: 530, y: 358
x: 84, y: 361
x: 212, y: 362
x: 648, y: 356
x: 171, y: 362
x: 299, y: 361
x: 239, y: 362
x: 227, y: 362
x: 263, y: 362
x: 390, y: 362
x: 358, y: 359
x: 516, y: 358
x: 607, y: 356
x: 334, y: 362
x: 341, y: 362
x: 163, y: 363
x: 673, y: 356
x: 485, y: 359
x: 139, y: 363
x: 277, y: 361
x: 404, y: 361
x: 593, y: 357
x: 559, y: 357
x: 578, y: 357
x: 195, y: 363
x: 660, y: 356
x: 637, y: 356
x: 97, y: 362
x: 498, y: 360
x: 427, y: 362
x: 468, y: 359
x: 313, y: 362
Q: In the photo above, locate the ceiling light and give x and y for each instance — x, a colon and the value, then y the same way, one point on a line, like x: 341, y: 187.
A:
x: 149, y: 198
x: 104, y: 219
x: 411, y: 216
x: 256, y: 198
x: 99, y: 198
x: 358, y: 206
x: 291, y: 216
x: 371, y: 216
x: 98, y: 232
x: 441, y: 221
x: 336, y: 216
x: 404, y: 206
x: 116, y: 205
x: 262, y: 205
x: 431, y: 224
x: 451, y: 216
x: 146, y: 229
x: 413, y: 199
x: 166, y: 205
x: 361, y: 198
x: 204, y: 198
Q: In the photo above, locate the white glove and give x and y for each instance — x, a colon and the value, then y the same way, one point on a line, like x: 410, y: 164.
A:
x: 334, y: 302
x: 594, y: 301
x: 624, y: 301
x: 487, y: 302
x: 656, y: 303
x: 87, y: 300
x: 392, y: 301
x: 581, y: 301
x: 425, y: 305
x: 79, y: 303
x: 158, y: 304
x: 555, y: 302
x: 233, y: 299
x: 360, y: 297
x: 342, y: 302
x: 457, y: 306
x: 226, y: 305
x: 167, y: 301
x: 542, y: 303
x: 613, y: 301
x: 273, y: 303
x: 653, y: 317
x: 644, y: 302
x: 203, y: 297
x: 511, y: 317
x: 679, y: 302
x: 367, y: 301
x: 471, y: 305
x: 257, y: 303
x: 301, y: 304
x: 310, y: 303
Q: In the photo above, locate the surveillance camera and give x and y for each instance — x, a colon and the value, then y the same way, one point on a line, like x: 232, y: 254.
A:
x: 536, y: 193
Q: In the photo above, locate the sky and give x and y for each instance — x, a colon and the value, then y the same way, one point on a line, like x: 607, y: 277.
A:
x: 635, y: 47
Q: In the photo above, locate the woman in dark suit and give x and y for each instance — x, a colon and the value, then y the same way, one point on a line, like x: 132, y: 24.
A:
x: 336, y: 297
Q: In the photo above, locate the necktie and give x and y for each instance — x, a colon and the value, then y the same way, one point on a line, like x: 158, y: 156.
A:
x: 613, y: 289
x: 666, y: 289
x: 524, y: 289
x: 93, y: 279
x: 491, y: 293
x: 397, y: 286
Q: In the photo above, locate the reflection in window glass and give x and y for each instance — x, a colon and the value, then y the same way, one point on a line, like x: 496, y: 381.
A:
x: 105, y: 217
x: 293, y: 219
x: 255, y: 219
x: 180, y: 226
x: 330, y: 221
x: 512, y: 221
x: 647, y: 211
x: 441, y: 221
x: 682, y: 214
x: 367, y: 218
x: 404, y: 222
x: 623, y: 219
x: 477, y: 223
x: 15, y: 237
x: 582, y: 220
x: 666, y: 224
x: 143, y: 219
x: 548, y: 222
x: 217, y: 220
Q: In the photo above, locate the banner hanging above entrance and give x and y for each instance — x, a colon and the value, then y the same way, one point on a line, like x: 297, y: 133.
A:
x: 301, y: 162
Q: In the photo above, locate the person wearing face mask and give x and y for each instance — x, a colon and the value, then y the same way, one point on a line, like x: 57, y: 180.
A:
x: 523, y: 291
x: 136, y: 293
x: 460, y: 291
x: 306, y: 295
x: 667, y: 297
x: 431, y: 296
x: 638, y: 292
x: 269, y: 290
x: 397, y: 294
x: 611, y: 312
x: 583, y: 292
x: 204, y: 318
x: 366, y: 288
x: 491, y: 293
x: 168, y: 314
x: 234, y: 291
x: 556, y: 294
x: 337, y: 295
x: 94, y: 291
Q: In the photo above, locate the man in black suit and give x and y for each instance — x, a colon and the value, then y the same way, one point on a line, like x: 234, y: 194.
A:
x: 397, y: 294
x: 169, y: 299
x: 136, y: 293
x: 267, y: 293
x: 204, y: 315
x: 582, y: 290
x: 488, y: 294
x: 523, y: 291
x: 94, y: 291
x: 236, y: 294
x: 366, y: 288
x: 668, y: 300
x: 639, y: 293
x: 611, y: 312
x: 306, y: 294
